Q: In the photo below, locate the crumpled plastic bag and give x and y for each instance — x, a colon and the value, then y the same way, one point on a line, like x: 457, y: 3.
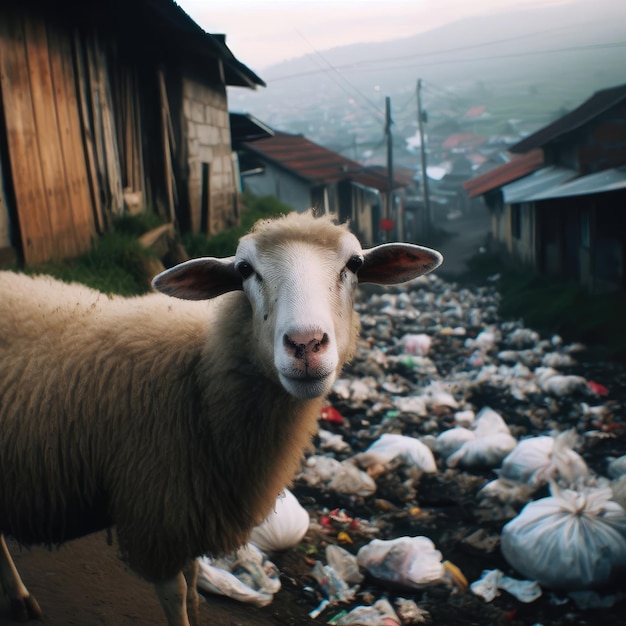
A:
x: 570, y: 540
x: 344, y: 563
x: 246, y: 575
x: 342, y: 477
x: 408, y: 561
x: 284, y: 527
x: 491, y: 443
x: 491, y: 581
x: 536, y: 460
x: 449, y: 441
x: 408, y: 450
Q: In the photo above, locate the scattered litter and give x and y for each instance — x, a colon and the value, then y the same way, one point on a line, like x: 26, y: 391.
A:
x: 491, y: 581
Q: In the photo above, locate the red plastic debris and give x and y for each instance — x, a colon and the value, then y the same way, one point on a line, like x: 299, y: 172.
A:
x: 597, y: 388
x: 332, y: 415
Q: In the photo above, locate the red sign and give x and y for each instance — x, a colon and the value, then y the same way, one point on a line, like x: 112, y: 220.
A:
x: 387, y: 224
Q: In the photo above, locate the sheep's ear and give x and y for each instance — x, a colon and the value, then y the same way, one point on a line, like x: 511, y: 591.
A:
x: 393, y: 263
x: 199, y: 279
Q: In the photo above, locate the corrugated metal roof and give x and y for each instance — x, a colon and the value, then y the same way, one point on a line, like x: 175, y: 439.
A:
x: 316, y: 164
x: 598, y: 103
x: 525, y: 189
x: 600, y: 182
x: 519, y: 166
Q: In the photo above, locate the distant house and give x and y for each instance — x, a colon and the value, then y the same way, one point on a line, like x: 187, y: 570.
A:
x: 303, y: 174
x: 559, y: 203
x: 110, y: 107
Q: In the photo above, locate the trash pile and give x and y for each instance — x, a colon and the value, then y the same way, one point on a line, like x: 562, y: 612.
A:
x: 465, y: 467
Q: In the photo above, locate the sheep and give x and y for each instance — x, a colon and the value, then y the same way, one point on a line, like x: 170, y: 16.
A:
x: 176, y: 419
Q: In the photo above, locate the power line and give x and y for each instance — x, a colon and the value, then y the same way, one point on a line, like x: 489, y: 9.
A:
x: 355, y: 67
x: 336, y: 71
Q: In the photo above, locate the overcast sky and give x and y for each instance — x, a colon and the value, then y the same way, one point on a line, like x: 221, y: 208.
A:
x: 263, y: 32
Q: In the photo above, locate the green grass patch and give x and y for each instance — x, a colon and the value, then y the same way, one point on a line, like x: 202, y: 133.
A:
x: 116, y: 264
x: 225, y: 243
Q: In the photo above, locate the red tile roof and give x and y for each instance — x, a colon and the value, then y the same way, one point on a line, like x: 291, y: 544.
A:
x: 464, y: 140
x: 316, y: 164
x: 520, y: 165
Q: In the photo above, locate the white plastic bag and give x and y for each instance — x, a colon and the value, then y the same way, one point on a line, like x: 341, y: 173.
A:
x: 536, y: 460
x: 449, y: 441
x: 343, y: 477
x: 284, y: 527
x: 408, y: 450
x: 409, y: 561
x: 491, y: 443
x: 571, y: 540
x: 246, y: 575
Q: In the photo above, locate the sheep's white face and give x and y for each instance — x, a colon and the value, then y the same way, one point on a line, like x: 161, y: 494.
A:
x: 299, y: 275
x: 302, y: 297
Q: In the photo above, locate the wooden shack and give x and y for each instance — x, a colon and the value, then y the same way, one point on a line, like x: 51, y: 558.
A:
x: 109, y: 108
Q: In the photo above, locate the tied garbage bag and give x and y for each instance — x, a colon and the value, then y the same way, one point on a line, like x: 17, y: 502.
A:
x: 284, y: 527
x: 536, y: 460
x: 408, y: 561
x: 571, y: 540
x: 246, y: 575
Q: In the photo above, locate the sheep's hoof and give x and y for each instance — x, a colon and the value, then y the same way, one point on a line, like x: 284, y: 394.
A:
x: 26, y: 609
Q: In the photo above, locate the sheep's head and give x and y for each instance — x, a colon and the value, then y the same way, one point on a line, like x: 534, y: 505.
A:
x: 299, y: 274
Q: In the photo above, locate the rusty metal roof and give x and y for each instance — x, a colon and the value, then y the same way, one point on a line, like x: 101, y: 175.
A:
x: 591, y: 108
x: 316, y: 164
x: 520, y: 165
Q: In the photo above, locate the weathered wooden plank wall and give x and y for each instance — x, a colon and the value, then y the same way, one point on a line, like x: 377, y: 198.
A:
x: 50, y: 182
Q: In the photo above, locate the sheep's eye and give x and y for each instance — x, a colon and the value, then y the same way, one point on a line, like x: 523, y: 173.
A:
x: 354, y: 263
x: 245, y: 269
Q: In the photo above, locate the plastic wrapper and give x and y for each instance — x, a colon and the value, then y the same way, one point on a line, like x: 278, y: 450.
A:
x: 408, y: 561
x: 284, y: 527
x: 407, y: 450
x: 344, y: 563
x: 246, y: 576
x: 418, y: 344
x: 571, y: 540
x: 491, y: 581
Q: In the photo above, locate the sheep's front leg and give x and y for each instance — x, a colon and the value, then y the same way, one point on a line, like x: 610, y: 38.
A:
x: 193, y: 600
x: 173, y: 595
x: 23, y: 605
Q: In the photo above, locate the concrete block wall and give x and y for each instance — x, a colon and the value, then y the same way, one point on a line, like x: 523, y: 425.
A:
x: 207, y: 132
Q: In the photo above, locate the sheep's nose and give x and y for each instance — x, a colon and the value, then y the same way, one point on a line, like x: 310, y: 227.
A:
x: 306, y: 347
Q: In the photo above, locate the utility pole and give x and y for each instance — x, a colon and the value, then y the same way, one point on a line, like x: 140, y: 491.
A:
x: 389, y: 209
x: 420, y: 123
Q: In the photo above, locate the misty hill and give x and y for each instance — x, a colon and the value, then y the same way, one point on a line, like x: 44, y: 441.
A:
x: 526, y: 67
